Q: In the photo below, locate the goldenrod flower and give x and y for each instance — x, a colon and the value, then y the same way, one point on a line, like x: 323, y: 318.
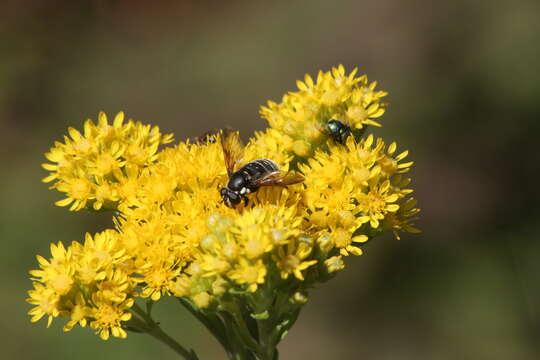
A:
x: 334, y: 263
x: 173, y: 235
x: 90, y: 167
x: 80, y: 312
x: 401, y: 220
x: 302, y: 116
x: 290, y: 260
x: 46, y: 301
x: 109, y: 316
x: 251, y: 274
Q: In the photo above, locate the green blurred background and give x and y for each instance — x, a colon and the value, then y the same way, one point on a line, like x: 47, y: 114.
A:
x: 464, y: 86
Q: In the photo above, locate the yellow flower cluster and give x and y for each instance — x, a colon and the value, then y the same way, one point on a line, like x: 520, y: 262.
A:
x: 100, y: 167
x: 85, y: 283
x: 175, y: 236
x: 300, y: 120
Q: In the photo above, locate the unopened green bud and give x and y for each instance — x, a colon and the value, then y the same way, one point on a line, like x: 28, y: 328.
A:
x: 325, y: 242
x: 299, y: 298
x: 219, y: 286
x: 305, y: 239
x: 202, y: 300
x: 261, y: 316
x: 208, y: 242
x: 335, y: 263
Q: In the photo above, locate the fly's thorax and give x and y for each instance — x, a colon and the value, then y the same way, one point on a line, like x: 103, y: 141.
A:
x: 237, y: 181
x: 338, y: 131
x: 333, y: 126
x: 244, y: 180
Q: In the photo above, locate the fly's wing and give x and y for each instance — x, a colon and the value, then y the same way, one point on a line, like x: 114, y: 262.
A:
x: 233, y: 151
x: 278, y: 178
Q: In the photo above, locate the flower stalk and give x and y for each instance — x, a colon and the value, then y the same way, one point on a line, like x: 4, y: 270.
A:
x: 142, y: 322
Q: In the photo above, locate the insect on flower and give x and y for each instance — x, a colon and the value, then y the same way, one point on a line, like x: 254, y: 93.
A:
x: 338, y: 131
x: 208, y: 137
x: 250, y: 177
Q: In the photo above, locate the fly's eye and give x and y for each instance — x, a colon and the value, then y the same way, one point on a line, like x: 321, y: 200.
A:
x: 230, y: 197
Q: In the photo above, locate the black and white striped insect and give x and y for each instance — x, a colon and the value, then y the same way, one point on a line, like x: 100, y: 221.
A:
x: 250, y: 177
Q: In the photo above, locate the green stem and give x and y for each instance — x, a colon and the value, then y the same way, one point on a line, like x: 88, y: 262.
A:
x: 242, y: 344
x: 157, y: 333
x: 144, y: 322
x: 242, y: 327
x: 229, y: 328
x: 212, y: 323
x: 240, y: 350
x: 268, y: 343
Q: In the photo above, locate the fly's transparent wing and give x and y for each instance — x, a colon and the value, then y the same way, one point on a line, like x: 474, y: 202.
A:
x: 233, y: 150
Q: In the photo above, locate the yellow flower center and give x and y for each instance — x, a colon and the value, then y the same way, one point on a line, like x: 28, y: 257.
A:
x: 77, y: 313
x: 360, y: 175
x: 107, y: 315
x: 341, y: 238
x: 250, y: 274
x: 373, y: 203
x: 105, y: 164
x: 47, y: 304
x: 82, y: 146
x: 136, y: 154
x: 158, y: 278
x: 87, y: 274
x: 356, y: 114
x: 319, y: 218
x: 346, y: 218
x: 61, y: 283
x: 330, y: 97
x: 103, y: 193
x: 104, y: 256
x: 290, y: 263
x: 219, y: 265
x: 388, y: 165
x: 127, y: 189
x: 230, y: 250
x: 160, y: 191
x: 338, y: 200
x: 302, y: 148
x: 312, y: 131
x: 362, y: 154
x: 80, y: 189
x: 254, y: 247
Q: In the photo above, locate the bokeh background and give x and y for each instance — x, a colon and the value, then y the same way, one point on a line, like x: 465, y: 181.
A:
x: 464, y: 83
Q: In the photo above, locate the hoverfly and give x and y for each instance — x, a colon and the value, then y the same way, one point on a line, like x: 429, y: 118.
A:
x: 250, y: 177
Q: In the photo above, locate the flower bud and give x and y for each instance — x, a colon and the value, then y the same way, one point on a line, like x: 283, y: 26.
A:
x: 333, y: 264
x: 299, y: 298
x: 325, y: 242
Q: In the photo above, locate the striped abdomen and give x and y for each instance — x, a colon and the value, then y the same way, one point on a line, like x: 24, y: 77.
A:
x: 246, y: 176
